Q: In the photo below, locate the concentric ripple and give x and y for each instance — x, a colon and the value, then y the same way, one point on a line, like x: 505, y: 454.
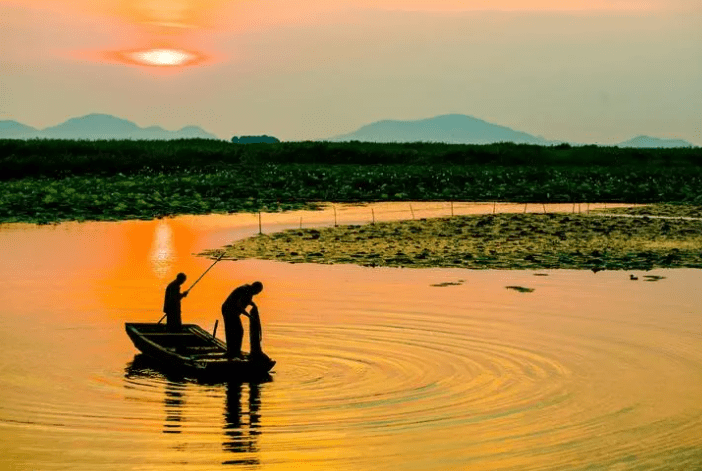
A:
x: 537, y: 386
x: 403, y: 378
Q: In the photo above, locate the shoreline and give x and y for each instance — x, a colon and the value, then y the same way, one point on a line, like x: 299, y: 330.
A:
x: 595, y: 241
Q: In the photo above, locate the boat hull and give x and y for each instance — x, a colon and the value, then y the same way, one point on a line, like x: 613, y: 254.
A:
x: 193, y: 352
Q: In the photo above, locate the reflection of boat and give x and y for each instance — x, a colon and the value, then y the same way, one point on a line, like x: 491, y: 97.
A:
x: 194, y: 351
x: 241, y: 435
x: 242, y: 425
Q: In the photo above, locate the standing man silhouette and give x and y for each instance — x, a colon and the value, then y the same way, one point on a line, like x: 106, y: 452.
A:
x: 171, y: 303
x: 233, y: 307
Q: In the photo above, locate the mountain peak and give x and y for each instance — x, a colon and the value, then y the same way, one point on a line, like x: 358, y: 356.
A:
x: 99, y: 117
x: 91, y: 125
x: 14, y: 129
x: 448, y: 128
x: 99, y: 126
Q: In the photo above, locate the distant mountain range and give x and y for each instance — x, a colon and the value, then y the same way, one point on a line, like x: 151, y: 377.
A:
x: 462, y: 129
x: 98, y: 126
x: 451, y: 129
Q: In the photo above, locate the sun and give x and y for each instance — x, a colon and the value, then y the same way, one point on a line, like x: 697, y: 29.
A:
x: 162, y: 57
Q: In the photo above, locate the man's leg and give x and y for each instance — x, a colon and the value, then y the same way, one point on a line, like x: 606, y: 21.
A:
x: 233, y: 332
x: 228, y: 332
x: 238, y: 335
x: 173, y: 322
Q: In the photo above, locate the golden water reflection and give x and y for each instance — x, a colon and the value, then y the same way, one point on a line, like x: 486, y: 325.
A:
x: 377, y: 368
x: 241, y: 425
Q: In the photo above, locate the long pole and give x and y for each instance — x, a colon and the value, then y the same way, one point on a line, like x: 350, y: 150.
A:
x: 191, y: 287
x: 215, y: 262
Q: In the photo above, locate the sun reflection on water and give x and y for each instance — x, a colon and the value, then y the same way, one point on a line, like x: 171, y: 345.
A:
x: 162, y: 256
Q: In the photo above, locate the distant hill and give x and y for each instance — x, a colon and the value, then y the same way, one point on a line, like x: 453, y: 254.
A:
x: 647, y: 142
x: 98, y: 126
x: 451, y: 129
x: 14, y: 129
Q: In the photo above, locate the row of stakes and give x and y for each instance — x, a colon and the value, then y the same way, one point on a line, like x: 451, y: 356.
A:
x: 494, y: 211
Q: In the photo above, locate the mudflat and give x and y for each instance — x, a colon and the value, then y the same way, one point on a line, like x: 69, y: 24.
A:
x: 657, y: 236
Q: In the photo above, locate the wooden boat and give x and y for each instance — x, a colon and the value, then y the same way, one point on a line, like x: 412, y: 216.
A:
x: 194, y: 352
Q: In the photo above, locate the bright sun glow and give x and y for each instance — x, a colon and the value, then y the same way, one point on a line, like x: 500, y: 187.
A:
x: 163, y: 57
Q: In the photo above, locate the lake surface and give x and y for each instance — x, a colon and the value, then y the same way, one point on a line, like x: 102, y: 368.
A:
x: 378, y: 369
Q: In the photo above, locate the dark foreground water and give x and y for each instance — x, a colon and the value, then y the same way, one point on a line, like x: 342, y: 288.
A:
x: 377, y: 368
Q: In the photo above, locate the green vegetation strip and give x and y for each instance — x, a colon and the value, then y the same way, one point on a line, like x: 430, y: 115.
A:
x: 48, y: 181
x: 284, y: 187
x: 57, y: 158
x: 502, y: 241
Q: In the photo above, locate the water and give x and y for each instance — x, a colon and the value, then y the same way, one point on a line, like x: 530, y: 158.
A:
x: 377, y: 368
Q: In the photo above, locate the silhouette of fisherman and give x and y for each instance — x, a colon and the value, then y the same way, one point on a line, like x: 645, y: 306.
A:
x: 233, y: 307
x: 171, y: 303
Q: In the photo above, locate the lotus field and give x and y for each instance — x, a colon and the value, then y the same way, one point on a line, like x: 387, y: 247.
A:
x: 51, y: 181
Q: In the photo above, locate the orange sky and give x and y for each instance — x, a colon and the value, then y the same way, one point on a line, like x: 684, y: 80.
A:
x: 202, y: 13
x: 170, y: 25
x: 585, y: 70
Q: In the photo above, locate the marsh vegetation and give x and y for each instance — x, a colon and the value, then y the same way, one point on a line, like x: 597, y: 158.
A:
x: 47, y: 181
x: 502, y: 241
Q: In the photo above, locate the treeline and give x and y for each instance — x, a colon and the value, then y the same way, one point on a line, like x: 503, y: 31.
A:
x: 60, y: 158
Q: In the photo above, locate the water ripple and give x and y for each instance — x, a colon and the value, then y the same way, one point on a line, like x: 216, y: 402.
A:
x: 457, y: 384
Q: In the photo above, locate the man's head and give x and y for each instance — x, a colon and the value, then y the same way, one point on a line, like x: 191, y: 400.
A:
x: 181, y: 278
x: 257, y: 287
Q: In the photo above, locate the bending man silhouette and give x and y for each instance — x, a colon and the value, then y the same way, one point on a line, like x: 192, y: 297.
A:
x: 171, y: 303
x: 234, y: 306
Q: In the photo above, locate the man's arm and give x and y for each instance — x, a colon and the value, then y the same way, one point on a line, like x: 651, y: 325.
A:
x: 242, y: 305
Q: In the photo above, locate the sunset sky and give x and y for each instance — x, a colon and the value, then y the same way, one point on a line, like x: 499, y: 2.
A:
x: 599, y: 71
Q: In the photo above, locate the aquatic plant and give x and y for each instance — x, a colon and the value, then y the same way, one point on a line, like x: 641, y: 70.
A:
x: 52, y: 180
x: 500, y: 241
